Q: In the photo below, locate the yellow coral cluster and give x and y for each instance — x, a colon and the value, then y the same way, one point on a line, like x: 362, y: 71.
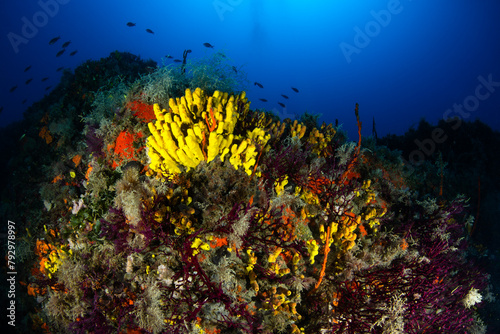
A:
x: 307, y: 195
x: 199, y: 244
x: 346, y: 234
x: 199, y: 128
x: 297, y: 129
x: 276, y: 129
x: 274, y: 255
x: 181, y: 219
x: 319, y: 139
x: 342, y: 233
x: 313, y: 249
x: 372, y: 213
x: 252, y: 260
x: 278, y: 266
x: 53, y: 256
x: 279, y: 300
x: 279, y: 187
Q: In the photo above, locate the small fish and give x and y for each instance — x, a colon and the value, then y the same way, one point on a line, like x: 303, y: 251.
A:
x: 60, y: 53
x: 55, y: 39
x: 130, y: 24
x: 150, y: 31
x: 169, y: 57
x: 208, y: 45
x: 65, y: 45
x: 258, y: 84
x: 73, y: 53
x: 24, y: 101
x: 282, y: 104
x: 177, y: 61
x: 45, y: 79
x: 47, y: 88
x: 28, y: 81
x: 1, y: 109
x: 13, y: 88
x: 295, y: 89
x: 263, y: 100
x: 59, y: 69
x: 27, y: 68
x: 234, y: 69
x: 286, y: 97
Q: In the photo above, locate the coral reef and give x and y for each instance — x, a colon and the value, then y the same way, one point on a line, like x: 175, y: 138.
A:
x: 196, y: 214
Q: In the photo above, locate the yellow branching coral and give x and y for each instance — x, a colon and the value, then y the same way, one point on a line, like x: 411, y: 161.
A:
x: 370, y: 194
x: 309, y: 197
x: 280, y: 186
x: 199, y: 128
x: 278, y: 300
x: 277, y: 129
x: 319, y: 139
x: 313, y: 249
x: 375, y: 209
x: 51, y: 256
x: 297, y: 129
x: 199, y: 244
x: 252, y: 260
x: 346, y: 235
x: 372, y: 216
x: 274, y: 255
x: 322, y: 233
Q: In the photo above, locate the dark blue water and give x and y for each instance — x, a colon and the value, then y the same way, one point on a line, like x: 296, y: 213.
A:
x: 400, y: 60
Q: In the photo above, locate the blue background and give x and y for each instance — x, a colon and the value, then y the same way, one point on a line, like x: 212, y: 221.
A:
x: 419, y: 63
